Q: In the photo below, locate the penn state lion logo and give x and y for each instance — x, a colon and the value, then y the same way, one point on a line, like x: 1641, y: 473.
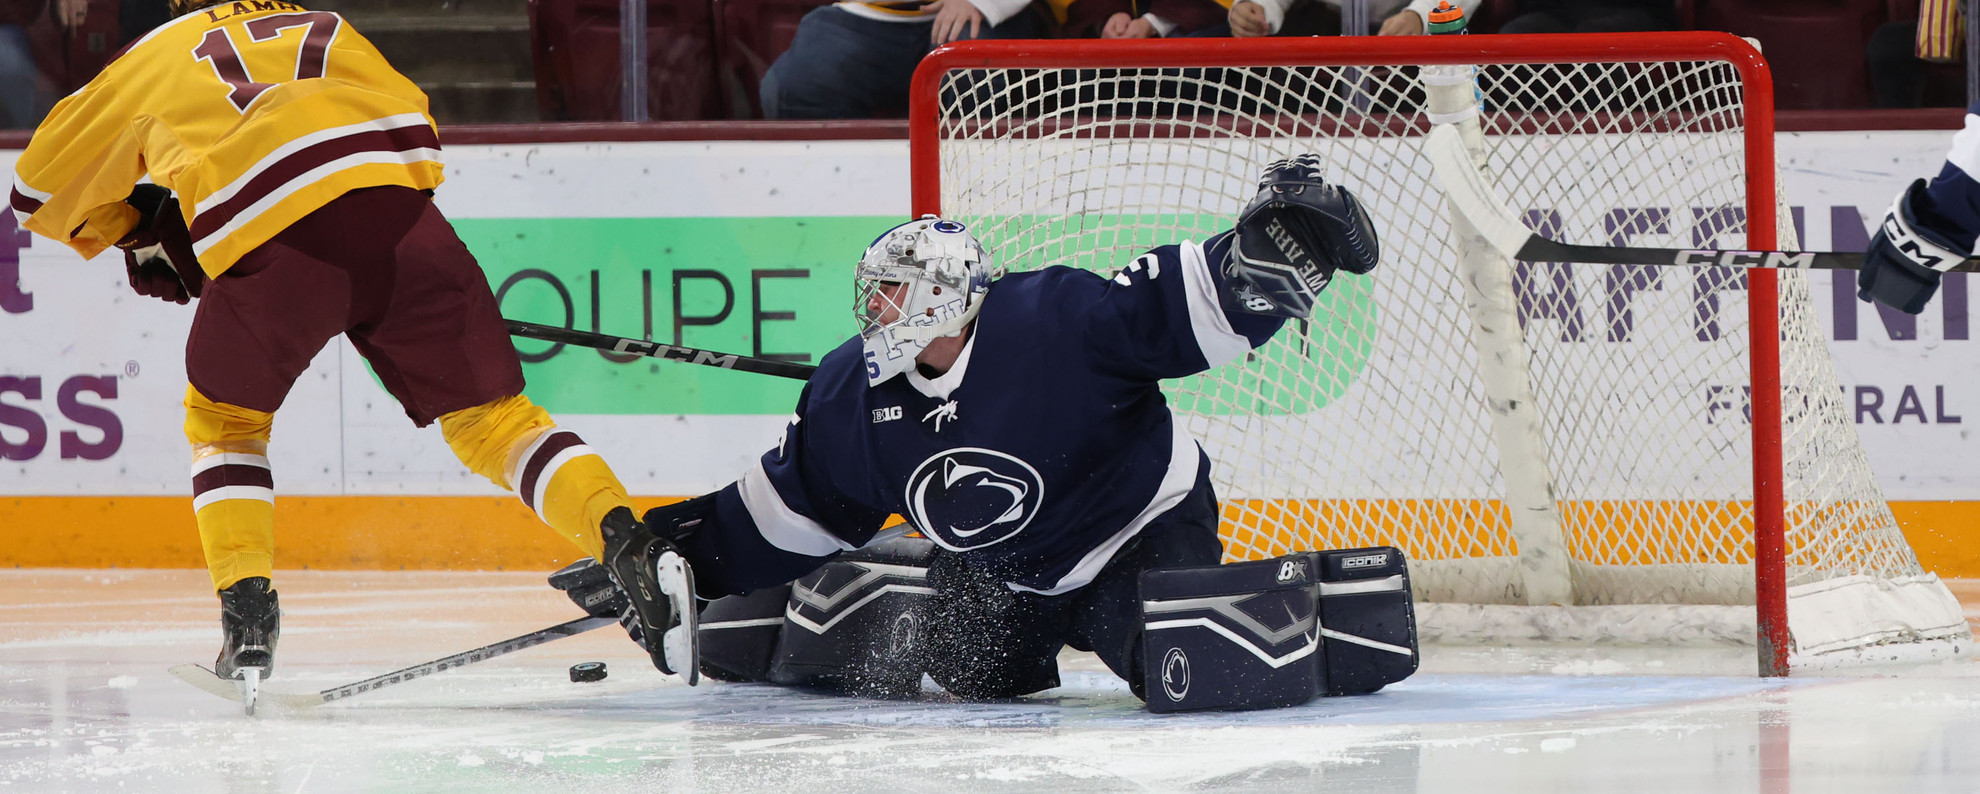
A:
x: 1175, y: 674
x: 968, y: 498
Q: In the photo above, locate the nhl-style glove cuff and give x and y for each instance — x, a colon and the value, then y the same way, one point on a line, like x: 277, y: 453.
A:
x: 1906, y: 261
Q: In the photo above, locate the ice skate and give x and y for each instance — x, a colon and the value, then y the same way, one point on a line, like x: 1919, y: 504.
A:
x: 251, y: 623
x: 660, y: 585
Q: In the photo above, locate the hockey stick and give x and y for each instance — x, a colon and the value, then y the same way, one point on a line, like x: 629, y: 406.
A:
x: 212, y: 683
x: 1501, y: 227
x: 641, y: 347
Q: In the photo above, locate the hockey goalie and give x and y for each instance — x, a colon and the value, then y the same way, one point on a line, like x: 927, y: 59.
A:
x: 1016, y: 423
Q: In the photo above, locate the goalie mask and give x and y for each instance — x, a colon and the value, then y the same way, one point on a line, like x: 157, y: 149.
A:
x: 922, y: 280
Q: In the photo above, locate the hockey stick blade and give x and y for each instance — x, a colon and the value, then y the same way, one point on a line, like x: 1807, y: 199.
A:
x: 206, y: 680
x: 1501, y: 227
x: 226, y: 688
x: 641, y: 347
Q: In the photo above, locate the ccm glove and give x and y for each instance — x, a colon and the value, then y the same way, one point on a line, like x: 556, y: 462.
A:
x: 1906, y: 260
x: 1294, y: 235
x: 158, y: 255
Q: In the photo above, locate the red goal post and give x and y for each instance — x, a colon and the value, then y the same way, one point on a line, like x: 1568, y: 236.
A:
x: 1024, y: 141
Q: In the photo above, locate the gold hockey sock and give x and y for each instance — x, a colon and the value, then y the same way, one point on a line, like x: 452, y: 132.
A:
x: 233, y: 488
x: 514, y: 443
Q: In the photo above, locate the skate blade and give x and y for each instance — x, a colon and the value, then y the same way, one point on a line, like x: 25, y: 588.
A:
x: 250, y: 687
x: 682, y: 643
x: 211, y: 683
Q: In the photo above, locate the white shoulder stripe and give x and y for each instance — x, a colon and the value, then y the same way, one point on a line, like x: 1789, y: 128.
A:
x: 1184, y: 457
x: 1219, y: 343
x: 1966, y: 148
x: 778, y: 523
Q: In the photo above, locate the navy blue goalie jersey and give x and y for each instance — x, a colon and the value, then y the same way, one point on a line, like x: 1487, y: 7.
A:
x: 1038, y: 455
x: 1952, y: 205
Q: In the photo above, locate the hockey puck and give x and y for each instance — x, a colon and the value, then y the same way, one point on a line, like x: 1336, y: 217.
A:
x: 588, y: 671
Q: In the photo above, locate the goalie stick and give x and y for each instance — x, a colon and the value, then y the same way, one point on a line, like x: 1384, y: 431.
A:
x: 1501, y: 226
x: 212, y: 683
x: 641, y: 347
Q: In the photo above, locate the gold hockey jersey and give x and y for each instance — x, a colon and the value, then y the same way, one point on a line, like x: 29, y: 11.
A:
x: 255, y: 113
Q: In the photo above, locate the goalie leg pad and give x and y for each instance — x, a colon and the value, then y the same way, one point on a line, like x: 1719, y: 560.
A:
x: 855, y: 625
x: 1238, y: 636
x: 739, y: 634
x: 1368, y: 619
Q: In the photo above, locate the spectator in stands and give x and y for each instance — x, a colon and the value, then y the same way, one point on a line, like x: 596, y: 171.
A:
x: 854, y: 59
x: 18, y: 74
x: 1118, y: 19
x: 1591, y: 16
x: 1899, y: 51
x: 1251, y: 18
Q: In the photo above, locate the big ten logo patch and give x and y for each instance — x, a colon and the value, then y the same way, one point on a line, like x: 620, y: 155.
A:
x: 25, y: 418
x: 887, y: 414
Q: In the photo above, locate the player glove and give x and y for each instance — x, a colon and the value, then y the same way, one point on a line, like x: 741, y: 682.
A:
x: 1906, y: 260
x: 158, y: 255
x: 1295, y: 233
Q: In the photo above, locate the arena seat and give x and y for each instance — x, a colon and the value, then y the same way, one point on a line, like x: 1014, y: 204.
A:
x: 68, y: 59
x: 1493, y: 14
x: 749, y: 35
x: 576, y: 47
x: 1814, y: 46
x: 1945, y: 83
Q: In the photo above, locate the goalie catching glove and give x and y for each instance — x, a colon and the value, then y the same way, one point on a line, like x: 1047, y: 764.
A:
x: 158, y: 254
x: 1294, y: 235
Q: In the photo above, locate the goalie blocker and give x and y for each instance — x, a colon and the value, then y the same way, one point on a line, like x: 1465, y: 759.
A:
x: 1276, y: 632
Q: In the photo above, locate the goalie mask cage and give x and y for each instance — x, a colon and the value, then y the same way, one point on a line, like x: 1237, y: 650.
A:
x: 1566, y: 452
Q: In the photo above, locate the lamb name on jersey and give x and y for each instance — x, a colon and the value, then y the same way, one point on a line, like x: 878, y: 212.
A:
x: 1039, y: 454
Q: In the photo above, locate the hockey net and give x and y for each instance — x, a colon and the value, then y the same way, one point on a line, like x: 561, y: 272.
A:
x: 1564, y: 451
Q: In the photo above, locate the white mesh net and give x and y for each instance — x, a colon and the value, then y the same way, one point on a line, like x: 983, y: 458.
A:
x: 1370, y: 424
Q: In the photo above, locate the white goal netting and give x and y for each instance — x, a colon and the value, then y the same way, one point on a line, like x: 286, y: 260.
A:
x: 1565, y: 437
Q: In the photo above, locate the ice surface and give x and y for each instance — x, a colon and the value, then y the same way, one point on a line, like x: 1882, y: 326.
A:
x: 86, y: 705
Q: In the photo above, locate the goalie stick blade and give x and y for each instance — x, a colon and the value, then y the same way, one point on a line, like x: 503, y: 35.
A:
x: 1501, y: 227
x: 1467, y: 191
